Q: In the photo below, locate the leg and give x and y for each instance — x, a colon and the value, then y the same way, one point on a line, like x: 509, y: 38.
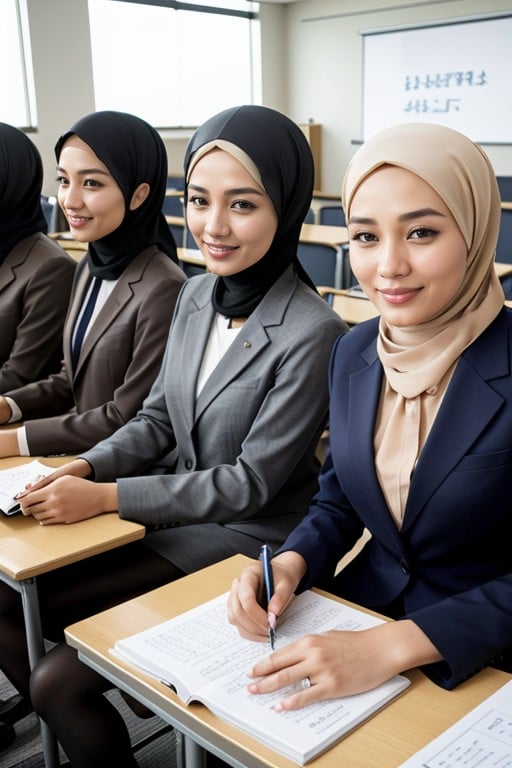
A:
x: 68, y: 695
x: 13, y: 647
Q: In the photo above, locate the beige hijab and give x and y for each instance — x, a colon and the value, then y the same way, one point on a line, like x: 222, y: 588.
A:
x: 418, y: 361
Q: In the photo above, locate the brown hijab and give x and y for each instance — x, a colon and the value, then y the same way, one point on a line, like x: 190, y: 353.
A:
x: 418, y: 360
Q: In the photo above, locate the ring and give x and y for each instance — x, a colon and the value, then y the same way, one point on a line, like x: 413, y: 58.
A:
x: 306, y: 682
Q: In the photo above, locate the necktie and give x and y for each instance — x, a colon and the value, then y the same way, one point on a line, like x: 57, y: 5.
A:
x: 84, y: 322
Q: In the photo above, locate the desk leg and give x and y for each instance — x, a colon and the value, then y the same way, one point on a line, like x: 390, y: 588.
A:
x: 36, y: 649
x: 188, y: 753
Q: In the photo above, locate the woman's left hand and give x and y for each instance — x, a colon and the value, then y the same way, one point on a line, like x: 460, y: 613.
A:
x: 69, y: 499
x: 341, y: 663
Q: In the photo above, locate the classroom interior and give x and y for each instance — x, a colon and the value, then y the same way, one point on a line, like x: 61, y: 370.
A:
x: 311, y: 62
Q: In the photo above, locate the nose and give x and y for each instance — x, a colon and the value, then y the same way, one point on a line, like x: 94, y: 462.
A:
x: 393, y: 258
x: 70, y: 197
x: 217, y: 222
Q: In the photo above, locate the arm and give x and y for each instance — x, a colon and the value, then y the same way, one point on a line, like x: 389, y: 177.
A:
x: 78, y: 430
x: 271, y: 429
x: 39, y: 333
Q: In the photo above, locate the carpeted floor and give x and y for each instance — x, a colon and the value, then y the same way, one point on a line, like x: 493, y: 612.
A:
x: 25, y: 752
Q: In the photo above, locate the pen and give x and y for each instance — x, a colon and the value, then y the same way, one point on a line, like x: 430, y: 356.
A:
x: 265, y: 557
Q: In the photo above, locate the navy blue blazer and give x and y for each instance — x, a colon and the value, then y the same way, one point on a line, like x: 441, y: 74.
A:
x: 450, y: 566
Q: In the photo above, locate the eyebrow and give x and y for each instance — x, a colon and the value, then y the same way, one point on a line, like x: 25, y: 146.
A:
x: 85, y: 171
x: 410, y: 215
x: 235, y: 191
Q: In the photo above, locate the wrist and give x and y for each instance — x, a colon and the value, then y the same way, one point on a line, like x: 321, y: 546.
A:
x: 109, y: 500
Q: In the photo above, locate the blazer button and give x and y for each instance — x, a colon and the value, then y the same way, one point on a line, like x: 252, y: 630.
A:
x: 404, y: 567
x: 247, y: 344
x: 188, y: 464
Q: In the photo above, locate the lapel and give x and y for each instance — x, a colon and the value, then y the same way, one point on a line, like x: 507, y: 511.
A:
x: 12, y: 261
x: 467, y: 408
x: 244, y: 350
x: 117, y: 301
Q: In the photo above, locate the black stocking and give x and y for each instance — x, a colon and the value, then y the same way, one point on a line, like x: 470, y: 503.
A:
x: 69, y: 697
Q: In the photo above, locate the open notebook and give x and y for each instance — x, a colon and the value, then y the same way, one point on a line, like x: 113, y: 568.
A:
x: 203, y: 658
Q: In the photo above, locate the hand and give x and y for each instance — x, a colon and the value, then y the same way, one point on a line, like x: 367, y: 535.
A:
x: 69, y: 499
x: 342, y: 663
x: 5, y: 411
x: 244, y: 608
x: 76, y: 468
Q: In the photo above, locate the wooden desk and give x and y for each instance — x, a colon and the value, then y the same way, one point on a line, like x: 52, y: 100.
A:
x: 384, y: 741
x: 502, y: 268
x: 323, y: 233
x: 195, y: 257
x: 28, y: 550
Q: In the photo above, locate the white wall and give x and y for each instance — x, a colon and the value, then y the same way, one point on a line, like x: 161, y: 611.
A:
x: 311, y: 54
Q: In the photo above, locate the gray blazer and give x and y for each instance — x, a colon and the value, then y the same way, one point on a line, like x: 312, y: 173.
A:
x: 35, y: 286
x: 119, y: 361
x: 237, y: 466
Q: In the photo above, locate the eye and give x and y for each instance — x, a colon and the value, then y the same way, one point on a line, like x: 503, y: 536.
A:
x: 362, y: 237
x: 61, y: 181
x: 421, y: 233
x: 196, y: 201
x: 243, y: 205
x: 92, y: 183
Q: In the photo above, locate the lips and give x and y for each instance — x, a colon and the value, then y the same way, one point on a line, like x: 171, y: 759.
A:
x: 219, y: 251
x: 399, y: 295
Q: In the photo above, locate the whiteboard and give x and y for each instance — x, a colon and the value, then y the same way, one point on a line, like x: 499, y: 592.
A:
x: 457, y: 74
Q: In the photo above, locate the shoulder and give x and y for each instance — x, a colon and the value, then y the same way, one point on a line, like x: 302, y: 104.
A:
x: 290, y: 301
x: 39, y: 249
x: 153, y: 265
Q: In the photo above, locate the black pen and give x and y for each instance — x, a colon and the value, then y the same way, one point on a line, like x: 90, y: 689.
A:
x: 265, y: 556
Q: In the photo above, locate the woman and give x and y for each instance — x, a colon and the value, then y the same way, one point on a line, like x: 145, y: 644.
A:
x: 35, y: 273
x: 221, y: 457
x: 111, y: 174
x: 421, y: 436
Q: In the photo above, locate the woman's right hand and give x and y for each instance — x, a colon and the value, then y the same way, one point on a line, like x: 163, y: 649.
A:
x: 244, y: 601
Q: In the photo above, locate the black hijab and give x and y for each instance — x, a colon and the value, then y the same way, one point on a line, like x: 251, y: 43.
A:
x: 134, y: 153
x: 21, y: 180
x: 281, y: 153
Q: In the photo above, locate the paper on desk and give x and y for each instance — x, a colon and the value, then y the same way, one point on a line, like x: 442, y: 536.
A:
x: 14, y: 480
x: 481, y: 738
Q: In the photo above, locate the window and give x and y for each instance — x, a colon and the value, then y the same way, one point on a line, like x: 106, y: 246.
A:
x: 172, y: 65
x: 17, y: 95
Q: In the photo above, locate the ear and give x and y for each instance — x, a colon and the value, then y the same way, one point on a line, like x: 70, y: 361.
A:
x: 139, y: 196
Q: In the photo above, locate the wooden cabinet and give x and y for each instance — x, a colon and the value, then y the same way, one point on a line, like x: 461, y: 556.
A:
x: 313, y: 133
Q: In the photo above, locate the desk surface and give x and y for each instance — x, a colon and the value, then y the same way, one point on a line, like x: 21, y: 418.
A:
x: 28, y: 549
x: 387, y: 739
x: 324, y: 233
x: 194, y: 256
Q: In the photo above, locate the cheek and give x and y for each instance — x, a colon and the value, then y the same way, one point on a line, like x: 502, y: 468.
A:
x: 362, y: 266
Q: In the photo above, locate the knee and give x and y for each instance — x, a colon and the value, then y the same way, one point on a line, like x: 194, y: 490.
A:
x: 48, y: 685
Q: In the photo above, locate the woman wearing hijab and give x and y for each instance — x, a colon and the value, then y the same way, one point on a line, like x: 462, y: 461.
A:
x: 421, y: 435
x: 230, y: 432
x: 111, y: 174
x: 35, y: 273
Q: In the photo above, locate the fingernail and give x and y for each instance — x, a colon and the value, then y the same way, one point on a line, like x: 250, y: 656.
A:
x: 272, y: 620
x: 278, y: 707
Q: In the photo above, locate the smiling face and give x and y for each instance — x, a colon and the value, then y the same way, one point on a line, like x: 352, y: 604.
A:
x: 230, y: 216
x: 406, y: 250
x: 88, y: 194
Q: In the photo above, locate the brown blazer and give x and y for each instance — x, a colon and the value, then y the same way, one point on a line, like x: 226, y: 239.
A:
x: 71, y: 411
x: 35, y: 286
